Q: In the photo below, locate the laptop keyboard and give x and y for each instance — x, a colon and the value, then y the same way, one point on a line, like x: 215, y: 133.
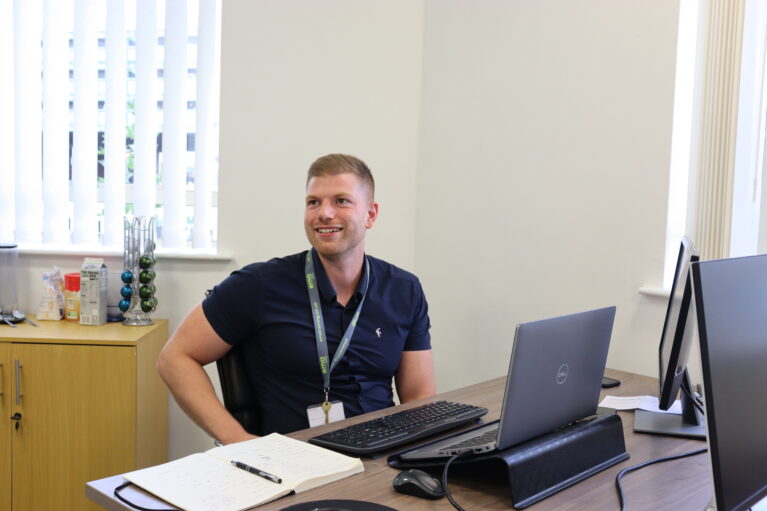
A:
x: 400, y: 428
x: 485, y: 438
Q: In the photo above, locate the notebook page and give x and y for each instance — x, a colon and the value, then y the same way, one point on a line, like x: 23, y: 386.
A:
x: 201, y: 482
x: 300, y: 465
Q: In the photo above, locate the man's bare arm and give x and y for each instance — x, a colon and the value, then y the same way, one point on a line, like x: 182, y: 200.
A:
x: 415, y: 376
x: 180, y: 364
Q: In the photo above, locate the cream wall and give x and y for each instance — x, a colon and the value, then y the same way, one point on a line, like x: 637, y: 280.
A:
x: 301, y: 79
x: 542, y: 183
x: 520, y: 151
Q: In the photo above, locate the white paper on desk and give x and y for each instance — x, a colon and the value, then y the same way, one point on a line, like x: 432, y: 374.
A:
x: 649, y: 403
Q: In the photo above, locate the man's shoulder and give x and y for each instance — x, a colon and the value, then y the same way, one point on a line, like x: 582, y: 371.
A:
x: 275, y: 266
x: 387, y: 270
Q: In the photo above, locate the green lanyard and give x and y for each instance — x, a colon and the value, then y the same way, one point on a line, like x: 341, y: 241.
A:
x: 319, y: 322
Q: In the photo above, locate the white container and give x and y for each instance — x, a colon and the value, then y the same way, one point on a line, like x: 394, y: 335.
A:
x: 93, y: 292
x: 9, y: 263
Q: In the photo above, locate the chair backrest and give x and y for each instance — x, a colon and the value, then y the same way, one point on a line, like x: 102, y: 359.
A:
x: 239, y: 399
x: 237, y: 392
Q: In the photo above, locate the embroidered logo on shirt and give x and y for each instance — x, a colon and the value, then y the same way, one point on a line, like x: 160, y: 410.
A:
x: 378, y: 332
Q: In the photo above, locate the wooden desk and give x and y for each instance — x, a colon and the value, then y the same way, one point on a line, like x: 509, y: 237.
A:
x: 679, y: 485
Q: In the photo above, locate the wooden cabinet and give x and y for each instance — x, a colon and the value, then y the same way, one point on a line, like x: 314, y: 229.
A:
x: 5, y: 427
x: 88, y: 404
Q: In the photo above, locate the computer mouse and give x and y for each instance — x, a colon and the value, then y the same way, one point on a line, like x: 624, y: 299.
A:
x: 419, y: 484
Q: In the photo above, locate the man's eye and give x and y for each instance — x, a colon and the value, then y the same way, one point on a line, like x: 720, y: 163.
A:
x: 311, y: 203
x: 343, y: 201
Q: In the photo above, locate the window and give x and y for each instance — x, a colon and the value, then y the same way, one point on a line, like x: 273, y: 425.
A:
x: 115, y: 108
x: 682, y: 134
x: 717, y: 163
x: 749, y: 221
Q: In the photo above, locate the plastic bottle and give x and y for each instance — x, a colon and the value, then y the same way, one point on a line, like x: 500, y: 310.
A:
x: 72, y: 297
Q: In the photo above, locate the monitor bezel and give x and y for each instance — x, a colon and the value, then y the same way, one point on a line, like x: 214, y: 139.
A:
x: 671, y: 379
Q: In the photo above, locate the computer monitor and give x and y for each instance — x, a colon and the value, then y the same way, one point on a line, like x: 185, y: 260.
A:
x: 731, y: 300
x: 675, y: 342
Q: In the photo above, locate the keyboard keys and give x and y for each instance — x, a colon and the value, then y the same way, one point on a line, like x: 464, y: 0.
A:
x: 485, y: 438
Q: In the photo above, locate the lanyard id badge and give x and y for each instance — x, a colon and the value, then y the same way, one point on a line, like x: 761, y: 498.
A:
x: 329, y: 409
x: 317, y: 413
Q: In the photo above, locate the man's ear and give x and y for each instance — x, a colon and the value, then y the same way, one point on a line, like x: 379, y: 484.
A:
x: 372, y: 214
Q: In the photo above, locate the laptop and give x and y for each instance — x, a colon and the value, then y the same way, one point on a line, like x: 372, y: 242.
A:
x: 554, y: 379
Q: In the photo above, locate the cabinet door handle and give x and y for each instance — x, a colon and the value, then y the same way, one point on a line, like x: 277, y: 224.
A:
x: 18, y: 382
x: 16, y: 417
x: 1, y: 377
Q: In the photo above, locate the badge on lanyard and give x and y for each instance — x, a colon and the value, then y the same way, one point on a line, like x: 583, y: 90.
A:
x: 327, y: 410
x: 325, y: 414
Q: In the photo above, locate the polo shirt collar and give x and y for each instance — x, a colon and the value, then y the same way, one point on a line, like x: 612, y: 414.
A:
x: 327, y: 291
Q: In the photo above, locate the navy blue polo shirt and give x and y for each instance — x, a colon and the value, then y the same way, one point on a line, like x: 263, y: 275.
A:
x: 264, y: 308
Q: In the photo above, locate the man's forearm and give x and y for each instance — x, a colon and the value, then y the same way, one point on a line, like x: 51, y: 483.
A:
x: 193, y: 391
x: 414, y: 396
x: 415, y: 377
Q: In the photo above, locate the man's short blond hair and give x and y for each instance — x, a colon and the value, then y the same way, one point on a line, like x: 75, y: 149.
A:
x: 334, y: 164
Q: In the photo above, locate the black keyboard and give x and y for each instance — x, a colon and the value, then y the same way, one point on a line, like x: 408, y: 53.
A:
x: 399, y: 428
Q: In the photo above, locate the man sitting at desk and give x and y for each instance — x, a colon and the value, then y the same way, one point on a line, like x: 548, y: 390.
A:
x: 373, y: 315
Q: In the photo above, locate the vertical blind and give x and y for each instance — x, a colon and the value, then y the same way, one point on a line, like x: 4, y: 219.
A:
x: 111, y: 109
x: 718, y: 128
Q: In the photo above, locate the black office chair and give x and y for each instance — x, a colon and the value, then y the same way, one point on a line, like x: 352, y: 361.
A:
x: 235, y: 388
x: 238, y: 395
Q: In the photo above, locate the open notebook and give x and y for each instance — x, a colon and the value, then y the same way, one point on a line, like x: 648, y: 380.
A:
x: 209, y: 482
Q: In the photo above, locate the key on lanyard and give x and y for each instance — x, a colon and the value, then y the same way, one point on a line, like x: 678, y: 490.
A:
x: 326, y: 408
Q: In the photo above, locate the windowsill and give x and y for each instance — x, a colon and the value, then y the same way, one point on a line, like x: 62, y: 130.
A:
x: 192, y: 254
x: 100, y: 250
x: 657, y: 292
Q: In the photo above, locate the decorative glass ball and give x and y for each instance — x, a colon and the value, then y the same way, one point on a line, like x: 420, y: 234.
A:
x: 127, y: 276
x: 124, y: 305
x: 149, y: 305
x: 126, y: 292
x: 146, y: 291
x: 146, y: 261
x: 146, y: 276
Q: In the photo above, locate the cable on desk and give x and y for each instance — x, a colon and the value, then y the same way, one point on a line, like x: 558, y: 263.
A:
x: 695, y: 399
x: 444, y: 479
x: 131, y: 504
x: 650, y: 462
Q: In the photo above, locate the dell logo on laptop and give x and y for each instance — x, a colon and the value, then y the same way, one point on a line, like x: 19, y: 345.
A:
x: 562, y: 373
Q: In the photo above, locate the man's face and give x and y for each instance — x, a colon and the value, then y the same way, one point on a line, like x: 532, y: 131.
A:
x: 338, y: 211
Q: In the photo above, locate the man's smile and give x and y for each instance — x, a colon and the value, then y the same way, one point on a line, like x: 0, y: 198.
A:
x: 328, y: 230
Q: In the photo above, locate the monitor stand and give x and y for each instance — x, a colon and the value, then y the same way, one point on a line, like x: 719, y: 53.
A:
x: 689, y: 424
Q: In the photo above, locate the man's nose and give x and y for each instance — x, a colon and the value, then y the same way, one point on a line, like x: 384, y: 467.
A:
x: 327, y: 211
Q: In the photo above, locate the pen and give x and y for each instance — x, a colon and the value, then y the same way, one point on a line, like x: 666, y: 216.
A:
x: 258, y: 472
